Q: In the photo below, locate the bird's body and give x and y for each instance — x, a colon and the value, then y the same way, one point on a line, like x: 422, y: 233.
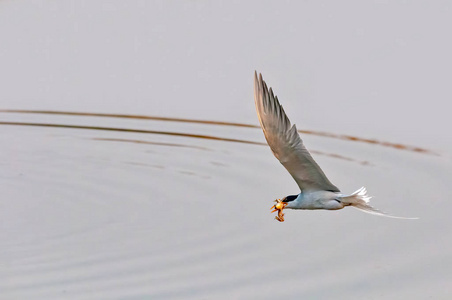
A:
x: 316, y: 200
x: 317, y: 192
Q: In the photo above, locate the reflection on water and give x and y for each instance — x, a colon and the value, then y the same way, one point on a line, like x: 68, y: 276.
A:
x: 151, y: 143
x: 128, y: 212
x: 319, y: 133
x: 200, y: 136
x: 207, y: 137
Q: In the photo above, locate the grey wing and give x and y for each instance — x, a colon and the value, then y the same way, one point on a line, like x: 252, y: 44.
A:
x: 285, y: 142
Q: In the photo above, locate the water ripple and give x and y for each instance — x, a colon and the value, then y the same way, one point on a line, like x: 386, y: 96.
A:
x: 183, y: 120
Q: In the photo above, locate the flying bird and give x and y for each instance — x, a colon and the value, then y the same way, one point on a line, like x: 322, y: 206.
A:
x: 317, y: 192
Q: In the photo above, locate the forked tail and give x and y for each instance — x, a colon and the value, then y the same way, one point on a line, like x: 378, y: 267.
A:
x: 360, y: 200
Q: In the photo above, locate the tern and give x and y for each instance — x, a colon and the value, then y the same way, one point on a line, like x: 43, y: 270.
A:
x: 317, y: 192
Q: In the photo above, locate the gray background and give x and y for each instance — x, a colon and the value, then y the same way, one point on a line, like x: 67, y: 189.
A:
x: 375, y: 68
x: 91, y: 214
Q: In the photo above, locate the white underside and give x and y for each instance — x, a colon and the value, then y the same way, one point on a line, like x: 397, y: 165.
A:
x: 334, y: 201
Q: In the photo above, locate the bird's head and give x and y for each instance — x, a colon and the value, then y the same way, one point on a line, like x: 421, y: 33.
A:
x: 289, y: 198
x: 280, y: 205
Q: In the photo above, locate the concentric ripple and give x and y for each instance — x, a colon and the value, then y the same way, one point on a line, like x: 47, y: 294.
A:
x: 102, y: 206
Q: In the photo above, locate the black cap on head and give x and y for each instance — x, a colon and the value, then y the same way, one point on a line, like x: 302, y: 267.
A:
x: 290, y: 198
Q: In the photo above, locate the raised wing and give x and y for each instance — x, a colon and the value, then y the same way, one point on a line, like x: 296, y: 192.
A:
x: 285, y: 141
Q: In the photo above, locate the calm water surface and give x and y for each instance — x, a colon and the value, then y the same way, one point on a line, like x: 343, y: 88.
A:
x: 117, y: 207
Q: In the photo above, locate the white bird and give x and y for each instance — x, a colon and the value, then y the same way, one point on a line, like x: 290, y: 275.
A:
x: 317, y: 192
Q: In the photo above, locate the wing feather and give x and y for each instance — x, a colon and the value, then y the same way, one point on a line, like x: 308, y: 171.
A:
x: 285, y: 142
